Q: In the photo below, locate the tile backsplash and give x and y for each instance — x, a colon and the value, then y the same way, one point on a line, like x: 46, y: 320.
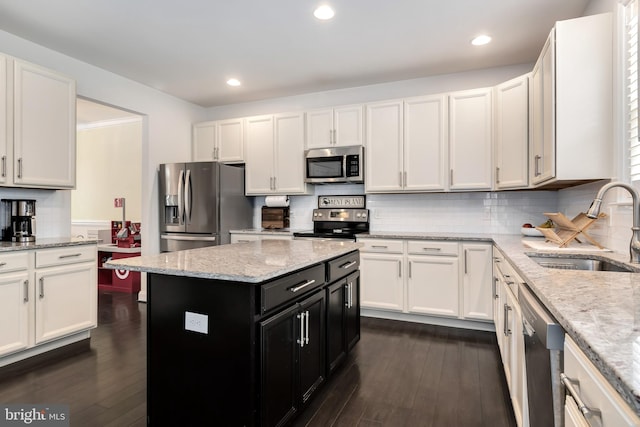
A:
x: 474, y: 212
x: 501, y: 212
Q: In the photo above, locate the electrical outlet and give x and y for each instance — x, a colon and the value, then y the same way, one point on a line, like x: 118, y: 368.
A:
x: 196, y: 322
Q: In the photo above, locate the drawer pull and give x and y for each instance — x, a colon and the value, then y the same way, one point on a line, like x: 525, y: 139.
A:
x: 379, y: 246
x: 69, y: 256
x: 431, y: 249
x: 348, y: 265
x: 302, y: 286
x: 586, y: 411
x: 2, y: 264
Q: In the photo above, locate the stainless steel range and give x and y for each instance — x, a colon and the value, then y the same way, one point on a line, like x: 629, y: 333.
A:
x: 338, y: 217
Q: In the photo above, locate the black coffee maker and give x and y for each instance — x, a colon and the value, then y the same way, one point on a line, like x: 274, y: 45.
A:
x: 19, y: 220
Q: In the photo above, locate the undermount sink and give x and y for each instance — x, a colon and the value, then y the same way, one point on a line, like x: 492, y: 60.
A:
x: 585, y: 263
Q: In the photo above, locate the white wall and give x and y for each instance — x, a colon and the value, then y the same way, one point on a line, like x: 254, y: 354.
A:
x: 379, y: 92
x: 108, y: 167
x: 166, y: 131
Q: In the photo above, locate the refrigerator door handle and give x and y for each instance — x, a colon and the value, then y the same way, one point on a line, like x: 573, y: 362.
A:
x: 187, y: 197
x: 180, y: 197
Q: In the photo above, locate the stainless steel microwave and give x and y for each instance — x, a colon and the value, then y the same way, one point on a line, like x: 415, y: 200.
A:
x: 334, y: 164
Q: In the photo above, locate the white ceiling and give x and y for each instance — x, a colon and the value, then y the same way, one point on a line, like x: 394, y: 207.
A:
x: 277, y: 48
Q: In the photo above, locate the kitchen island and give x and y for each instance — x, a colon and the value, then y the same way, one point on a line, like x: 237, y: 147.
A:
x: 245, y: 334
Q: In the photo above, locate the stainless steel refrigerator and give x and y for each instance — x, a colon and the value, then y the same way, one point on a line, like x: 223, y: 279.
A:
x: 199, y: 203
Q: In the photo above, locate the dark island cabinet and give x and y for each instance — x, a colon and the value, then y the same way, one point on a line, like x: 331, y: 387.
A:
x: 242, y: 354
x: 292, y: 359
x: 343, y: 319
x: 343, y: 308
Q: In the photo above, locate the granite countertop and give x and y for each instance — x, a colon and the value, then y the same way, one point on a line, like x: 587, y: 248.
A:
x: 251, y: 262
x: 600, y: 310
x: 280, y: 231
x: 44, y: 243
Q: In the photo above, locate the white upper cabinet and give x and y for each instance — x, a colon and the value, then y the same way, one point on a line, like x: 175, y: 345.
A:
x: 406, y: 145
x: 384, y: 170
x: 340, y: 126
x: 542, y: 158
x: 512, y: 133
x: 425, y: 143
x: 220, y: 141
x: 6, y: 135
x: 274, y: 155
x: 572, y: 103
x: 44, y: 133
x: 470, y: 140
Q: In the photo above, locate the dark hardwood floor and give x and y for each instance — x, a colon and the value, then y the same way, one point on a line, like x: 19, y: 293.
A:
x: 400, y: 374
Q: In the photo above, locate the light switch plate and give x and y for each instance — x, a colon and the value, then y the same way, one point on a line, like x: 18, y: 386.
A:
x: 196, y: 322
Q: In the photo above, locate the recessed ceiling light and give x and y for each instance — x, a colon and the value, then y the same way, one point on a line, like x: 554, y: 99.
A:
x: 324, y: 12
x: 233, y: 82
x: 481, y: 40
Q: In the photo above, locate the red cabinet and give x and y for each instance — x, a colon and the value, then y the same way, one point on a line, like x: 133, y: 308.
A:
x: 117, y: 280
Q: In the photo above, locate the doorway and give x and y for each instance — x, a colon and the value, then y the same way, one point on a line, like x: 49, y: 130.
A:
x: 108, y: 167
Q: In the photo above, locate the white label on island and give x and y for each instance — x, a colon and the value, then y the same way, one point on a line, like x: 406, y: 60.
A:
x: 196, y: 322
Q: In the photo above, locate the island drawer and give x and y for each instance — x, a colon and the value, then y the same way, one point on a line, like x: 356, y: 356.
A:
x: 289, y: 288
x: 342, y: 266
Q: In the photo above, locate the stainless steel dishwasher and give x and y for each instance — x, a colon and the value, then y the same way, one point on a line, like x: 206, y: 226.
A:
x: 543, y: 343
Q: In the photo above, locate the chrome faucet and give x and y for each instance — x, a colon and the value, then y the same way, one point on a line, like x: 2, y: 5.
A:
x: 594, y: 210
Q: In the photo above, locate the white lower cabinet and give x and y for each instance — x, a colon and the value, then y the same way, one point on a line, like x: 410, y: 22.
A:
x: 15, y: 303
x: 586, y: 383
x: 45, y: 295
x: 476, y: 281
x: 509, y: 334
x: 382, y: 281
x: 66, y: 300
x: 432, y: 283
x: 425, y: 277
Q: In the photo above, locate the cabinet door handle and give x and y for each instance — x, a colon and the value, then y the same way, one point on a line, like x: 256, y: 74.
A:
x: 42, y: 287
x: 303, y: 285
x: 505, y: 327
x: 495, y: 288
x: 26, y: 291
x: 399, y: 268
x: 350, y: 286
x: 450, y: 176
x: 306, y: 323
x: 20, y: 167
x: 465, y: 261
x: 537, y: 165
x: 346, y: 295
x: 497, y: 175
x: 69, y: 256
x: 4, y: 166
x: 586, y: 411
x: 348, y: 265
x: 300, y: 339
